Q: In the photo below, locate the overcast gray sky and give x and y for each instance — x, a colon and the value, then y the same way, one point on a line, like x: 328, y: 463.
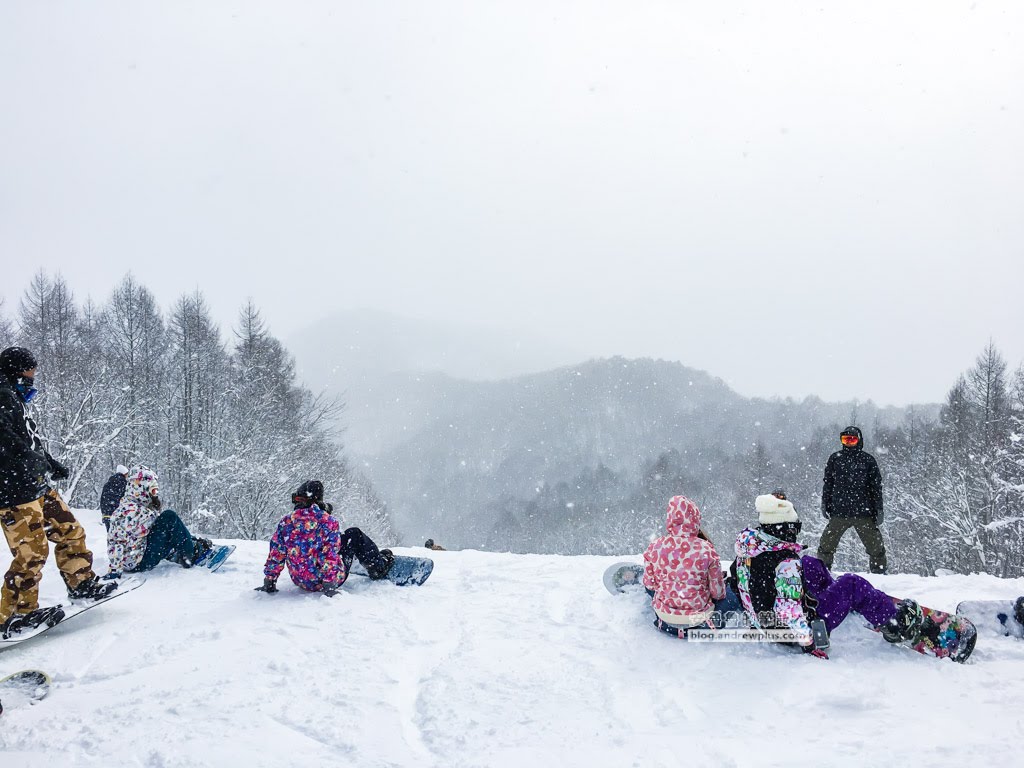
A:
x: 797, y: 199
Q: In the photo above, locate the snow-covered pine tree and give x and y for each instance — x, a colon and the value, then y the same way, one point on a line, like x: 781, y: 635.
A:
x: 196, y: 429
x: 6, y: 331
x: 135, y: 347
x: 79, y: 407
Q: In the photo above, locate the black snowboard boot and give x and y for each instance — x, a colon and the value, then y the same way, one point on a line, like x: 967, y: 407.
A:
x: 1018, y: 611
x: 93, y: 589
x: 387, y: 559
x: 19, y: 622
x: 906, y: 624
x: 200, y: 549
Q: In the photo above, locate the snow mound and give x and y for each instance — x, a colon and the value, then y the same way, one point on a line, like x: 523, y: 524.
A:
x: 498, y: 660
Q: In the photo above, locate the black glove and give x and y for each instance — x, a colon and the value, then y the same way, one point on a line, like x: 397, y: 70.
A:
x: 269, y: 586
x: 329, y: 589
x: 57, y: 470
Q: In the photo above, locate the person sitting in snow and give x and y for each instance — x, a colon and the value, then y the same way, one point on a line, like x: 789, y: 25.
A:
x: 141, y: 536
x: 779, y: 589
x: 318, y: 554
x: 683, y: 574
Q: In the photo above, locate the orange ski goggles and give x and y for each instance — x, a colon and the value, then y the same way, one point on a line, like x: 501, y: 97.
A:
x: 849, y: 439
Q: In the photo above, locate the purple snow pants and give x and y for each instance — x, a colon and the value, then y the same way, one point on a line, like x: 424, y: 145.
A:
x: 838, y: 597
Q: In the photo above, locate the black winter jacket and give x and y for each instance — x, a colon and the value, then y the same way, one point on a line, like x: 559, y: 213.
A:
x: 24, y: 464
x: 110, y: 496
x: 853, y: 484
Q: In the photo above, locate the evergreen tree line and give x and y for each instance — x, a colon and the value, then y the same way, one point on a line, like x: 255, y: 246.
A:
x: 223, y: 421
x: 953, y: 486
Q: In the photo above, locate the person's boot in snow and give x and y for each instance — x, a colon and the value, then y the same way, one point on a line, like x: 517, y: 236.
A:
x: 906, y: 624
x: 381, y: 570
x: 19, y: 622
x: 201, y: 549
x: 92, y: 589
x: 1018, y: 610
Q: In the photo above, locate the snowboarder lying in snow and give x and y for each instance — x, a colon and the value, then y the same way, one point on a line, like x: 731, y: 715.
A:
x: 429, y: 544
x: 780, y: 589
x: 683, y: 574
x: 318, y: 554
x: 141, y: 536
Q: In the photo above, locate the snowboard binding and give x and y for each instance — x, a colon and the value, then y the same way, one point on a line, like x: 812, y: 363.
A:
x: 907, y: 624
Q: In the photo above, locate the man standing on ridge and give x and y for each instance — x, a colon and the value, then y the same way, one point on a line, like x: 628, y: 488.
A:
x: 851, y: 497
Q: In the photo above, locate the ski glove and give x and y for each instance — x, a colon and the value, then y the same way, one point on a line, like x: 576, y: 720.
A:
x: 57, y: 470
x: 269, y: 586
x: 820, y: 653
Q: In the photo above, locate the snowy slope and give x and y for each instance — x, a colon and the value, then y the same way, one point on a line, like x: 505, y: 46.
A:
x: 499, y: 660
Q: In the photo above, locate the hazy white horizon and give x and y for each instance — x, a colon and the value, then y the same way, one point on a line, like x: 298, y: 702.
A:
x: 798, y: 201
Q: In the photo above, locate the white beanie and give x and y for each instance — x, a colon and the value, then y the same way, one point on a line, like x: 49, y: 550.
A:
x: 121, y: 469
x: 772, y: 510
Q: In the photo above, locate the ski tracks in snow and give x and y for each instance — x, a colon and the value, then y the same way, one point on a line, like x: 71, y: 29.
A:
x: 498, y: 660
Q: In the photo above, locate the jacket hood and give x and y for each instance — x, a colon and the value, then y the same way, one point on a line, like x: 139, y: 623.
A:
x: 753, y: 542
x: 313, y: 511
x: 683, y: 517
x: 860, y: 438
x: 143, y: 484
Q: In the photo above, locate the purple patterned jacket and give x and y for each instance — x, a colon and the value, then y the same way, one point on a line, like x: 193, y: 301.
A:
x: 307, y: 541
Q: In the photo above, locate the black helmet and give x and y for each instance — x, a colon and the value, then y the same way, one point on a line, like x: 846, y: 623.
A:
x: 851, y: 437
x: 14, y: 361
x: 310, y: 492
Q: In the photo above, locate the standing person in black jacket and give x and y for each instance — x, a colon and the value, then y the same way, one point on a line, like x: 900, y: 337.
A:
x: 112, y: 493
x: 31, y: 511
x: 851, y: 497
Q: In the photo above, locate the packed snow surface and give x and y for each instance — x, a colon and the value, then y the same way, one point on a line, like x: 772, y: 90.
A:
x: 498, y: 660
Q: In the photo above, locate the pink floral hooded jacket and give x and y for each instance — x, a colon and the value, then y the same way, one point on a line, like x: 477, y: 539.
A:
x: 684, y: 571
x: 131, y: 521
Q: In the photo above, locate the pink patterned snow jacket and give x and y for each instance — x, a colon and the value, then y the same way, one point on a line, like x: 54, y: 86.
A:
x: 684, y: 571
x: 130, y: 523
x: 307, y: 541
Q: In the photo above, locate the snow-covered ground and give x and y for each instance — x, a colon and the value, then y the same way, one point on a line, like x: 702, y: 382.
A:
x: 498, y: 660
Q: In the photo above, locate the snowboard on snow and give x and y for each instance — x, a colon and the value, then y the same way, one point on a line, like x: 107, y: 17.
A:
x: 628, y: 578
x: 23, y: 689
x: 405, y: 572
x: 215, y: 557
x: 943, y: 635
x: 124, y: 586
x: 1000, y: 616
x: 624, y: 577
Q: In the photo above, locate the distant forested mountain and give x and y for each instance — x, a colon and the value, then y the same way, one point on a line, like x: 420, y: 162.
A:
x: 584, y: 458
